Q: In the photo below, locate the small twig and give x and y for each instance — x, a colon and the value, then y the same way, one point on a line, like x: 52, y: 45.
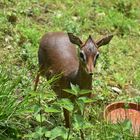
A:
x: 82, y: 134
x: 68, y: 134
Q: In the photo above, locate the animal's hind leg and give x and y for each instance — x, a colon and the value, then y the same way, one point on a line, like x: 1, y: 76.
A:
x: 41, y: 70
x: 67, y: 118
x: 36, y: 81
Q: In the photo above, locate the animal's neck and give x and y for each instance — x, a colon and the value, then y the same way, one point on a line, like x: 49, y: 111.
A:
x: 83, y: 79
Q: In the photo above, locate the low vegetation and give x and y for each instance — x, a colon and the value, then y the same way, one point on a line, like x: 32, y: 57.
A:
x: 26, y: 114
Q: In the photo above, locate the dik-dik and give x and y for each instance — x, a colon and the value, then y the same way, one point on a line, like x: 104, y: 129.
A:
x: 58, y: 54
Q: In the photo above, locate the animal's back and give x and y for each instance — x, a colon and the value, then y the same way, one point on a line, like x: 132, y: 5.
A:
x: 58, y: 54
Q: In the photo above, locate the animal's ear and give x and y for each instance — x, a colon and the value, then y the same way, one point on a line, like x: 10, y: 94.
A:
x: 103, y: 41
x: 75, y: 40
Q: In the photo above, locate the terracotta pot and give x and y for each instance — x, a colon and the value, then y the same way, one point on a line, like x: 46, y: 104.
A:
x: 120, y: 111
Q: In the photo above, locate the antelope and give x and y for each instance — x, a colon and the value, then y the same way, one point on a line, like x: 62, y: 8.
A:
x: 58, y: 54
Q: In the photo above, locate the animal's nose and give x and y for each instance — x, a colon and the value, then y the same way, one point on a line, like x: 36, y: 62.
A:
x: 91, y: 73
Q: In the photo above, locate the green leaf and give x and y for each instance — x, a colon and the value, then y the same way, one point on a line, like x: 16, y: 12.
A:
x: 66, y: 103
x: 84, y: 91
x: 127, y: 125
x: 39, y: 132
x: 85, y: 100
x: 40, y: 118
x: 70, y: 91
x: 51, y: 110
x: 57, y: 132
x: 34, y: 94
x: 80, y: 105
x: 80, y: 123
x: 48, y: 134
x: 37, y: 108
x: 75, y: 88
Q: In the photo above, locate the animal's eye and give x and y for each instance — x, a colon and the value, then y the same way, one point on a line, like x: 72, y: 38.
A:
x: 95, y: 59
x: 83, y: 56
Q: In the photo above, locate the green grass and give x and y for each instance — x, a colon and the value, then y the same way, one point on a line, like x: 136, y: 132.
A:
x: 22, y: 23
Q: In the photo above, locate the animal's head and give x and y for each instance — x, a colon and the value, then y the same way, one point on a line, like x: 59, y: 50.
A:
x: 89, y: 52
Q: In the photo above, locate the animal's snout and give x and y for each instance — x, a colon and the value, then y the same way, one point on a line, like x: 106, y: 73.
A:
x: 89, y: 69
x: 91, y: 73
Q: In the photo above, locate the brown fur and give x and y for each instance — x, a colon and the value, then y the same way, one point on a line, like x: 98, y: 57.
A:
x: 58, y: 54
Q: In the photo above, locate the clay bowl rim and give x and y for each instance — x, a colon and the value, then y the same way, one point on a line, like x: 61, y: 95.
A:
x: 120, y: 104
